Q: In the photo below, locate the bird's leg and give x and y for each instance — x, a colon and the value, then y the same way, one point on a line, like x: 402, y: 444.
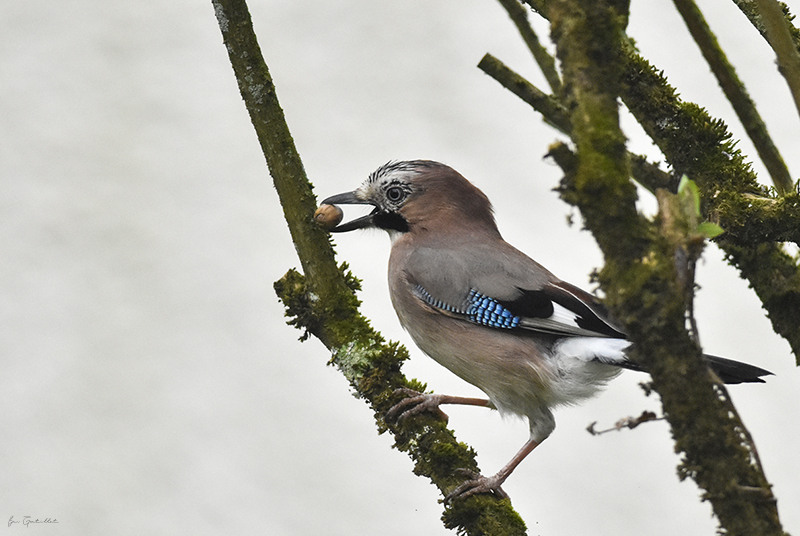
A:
x: 478, y: 483
x: 416, y: 402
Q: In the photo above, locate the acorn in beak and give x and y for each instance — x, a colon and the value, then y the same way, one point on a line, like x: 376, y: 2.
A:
x: 329, y: 215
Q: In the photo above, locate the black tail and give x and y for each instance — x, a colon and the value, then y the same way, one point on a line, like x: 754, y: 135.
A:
x: 730, y: 371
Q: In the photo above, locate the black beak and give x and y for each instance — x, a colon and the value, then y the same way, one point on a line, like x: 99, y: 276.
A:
x: 350, y: 198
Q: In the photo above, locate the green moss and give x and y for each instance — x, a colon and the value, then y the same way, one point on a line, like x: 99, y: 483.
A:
x: 471, y: 516
x: 701, y: 147
x: 373, y: 368
x: 648, y: 276
x: 291, y: 289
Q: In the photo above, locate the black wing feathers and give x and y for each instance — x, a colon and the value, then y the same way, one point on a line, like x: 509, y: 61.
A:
x: 589, y: 314
x: 530, y: 304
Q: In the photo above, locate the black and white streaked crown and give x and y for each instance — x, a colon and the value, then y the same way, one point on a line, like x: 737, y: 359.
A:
x: 401, y: 166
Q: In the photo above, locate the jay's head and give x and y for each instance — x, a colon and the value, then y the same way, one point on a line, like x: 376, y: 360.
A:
x: 416, y: 196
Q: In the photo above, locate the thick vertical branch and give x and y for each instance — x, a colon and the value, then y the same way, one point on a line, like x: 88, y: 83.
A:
x: 584, y: 32
x: 645, y: 275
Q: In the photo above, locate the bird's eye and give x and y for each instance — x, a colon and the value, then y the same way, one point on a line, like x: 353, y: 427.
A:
x: 395, y: 194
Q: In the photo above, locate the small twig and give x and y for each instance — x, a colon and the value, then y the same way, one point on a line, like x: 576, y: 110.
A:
x: 627, y: 422
x: 743, y: 432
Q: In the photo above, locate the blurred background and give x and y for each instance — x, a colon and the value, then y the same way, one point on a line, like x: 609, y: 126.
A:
x: 148, y: 382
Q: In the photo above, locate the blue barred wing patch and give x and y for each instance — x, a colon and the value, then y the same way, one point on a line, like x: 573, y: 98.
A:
x: 477, y: 308
x: 488, y: 311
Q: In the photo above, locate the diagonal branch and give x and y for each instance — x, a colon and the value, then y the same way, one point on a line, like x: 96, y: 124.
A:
x: 782, y: 43
x: 750, y: 10
x: 543, y: 58
x: 736, y: 94
x: 322, y: 302
x: 555, y: 114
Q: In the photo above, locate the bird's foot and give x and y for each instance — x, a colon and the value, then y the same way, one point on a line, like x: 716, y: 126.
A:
x: 477, y: 483
x: 414, y: 404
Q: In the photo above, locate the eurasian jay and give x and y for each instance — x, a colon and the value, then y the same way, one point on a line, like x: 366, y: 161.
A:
x: 486, y: 311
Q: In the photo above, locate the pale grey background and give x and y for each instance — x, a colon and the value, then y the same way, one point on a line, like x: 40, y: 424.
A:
x: 148, y: 383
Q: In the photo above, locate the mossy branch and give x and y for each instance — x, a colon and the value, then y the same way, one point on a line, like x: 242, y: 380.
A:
x: 297, y: 198
x: 736, y: 94
x: 753, y: 14
x: 648, y: 266
x: 556, y: 115
x: 700, y: 146
x: 749, y: 219
x: 757, y: 219
x: 553, y: 111
x: 322, y: 301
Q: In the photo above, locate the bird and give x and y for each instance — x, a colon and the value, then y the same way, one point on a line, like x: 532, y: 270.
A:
x: 488, y: 312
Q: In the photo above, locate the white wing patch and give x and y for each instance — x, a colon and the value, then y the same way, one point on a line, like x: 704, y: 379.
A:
x: 603, y: 349
x: 562, y: 315
x: 563, y: 321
